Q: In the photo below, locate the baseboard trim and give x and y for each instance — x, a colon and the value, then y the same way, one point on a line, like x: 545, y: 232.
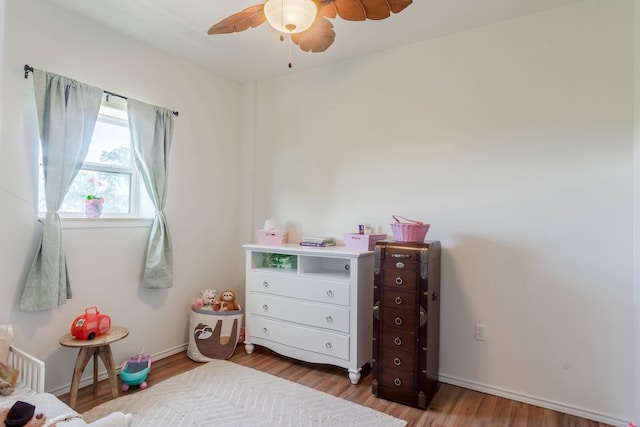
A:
x: 103, y: 375
x: 536, y: 401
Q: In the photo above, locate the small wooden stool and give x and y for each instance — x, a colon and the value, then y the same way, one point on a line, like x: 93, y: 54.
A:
x: 99, y: 346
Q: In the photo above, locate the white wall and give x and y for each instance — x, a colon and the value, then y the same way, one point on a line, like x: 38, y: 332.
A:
x: 203, y: 202
x: 2, y: 5
x: 636, y: 281
x: 515, y: 141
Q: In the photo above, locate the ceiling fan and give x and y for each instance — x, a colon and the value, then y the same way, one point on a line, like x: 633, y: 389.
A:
x: 306, y: 20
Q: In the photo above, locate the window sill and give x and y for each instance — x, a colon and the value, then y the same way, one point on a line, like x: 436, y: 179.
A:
x: 104, y: 222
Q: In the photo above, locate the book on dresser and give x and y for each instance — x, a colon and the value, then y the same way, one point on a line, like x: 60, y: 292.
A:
x: 318, y: 244
x: 317, y: 241
x: 319, y: 312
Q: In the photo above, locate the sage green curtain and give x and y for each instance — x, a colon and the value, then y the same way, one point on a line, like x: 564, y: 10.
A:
x: 67, y: 113
x: 151, y: 135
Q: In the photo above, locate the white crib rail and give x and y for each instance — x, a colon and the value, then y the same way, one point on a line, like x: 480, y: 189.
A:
x: 31, y: 368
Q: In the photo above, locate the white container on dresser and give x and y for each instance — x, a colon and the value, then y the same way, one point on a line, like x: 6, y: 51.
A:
x: 312, y: 304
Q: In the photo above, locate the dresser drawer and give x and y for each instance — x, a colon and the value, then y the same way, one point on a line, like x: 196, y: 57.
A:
x: 409, y: 254
x: 400, y: 265
x: 393, y: 360
x: 318, y: 341
x: 295, y: 286
x: 399, y: 298
x: 400, y: 279
x: 400, y: 320
x: 402, y: 340
x: 398, y: 381
x: 307, y: 313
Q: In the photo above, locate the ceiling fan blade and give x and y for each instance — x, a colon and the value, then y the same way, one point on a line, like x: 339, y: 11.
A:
x: 359, y: 10
x: 317, y: 38
x: 327, y: 8
x: 399, y: 5
x: 248, y: 18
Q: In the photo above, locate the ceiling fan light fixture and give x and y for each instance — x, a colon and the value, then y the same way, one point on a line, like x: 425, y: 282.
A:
x: 290, y: 16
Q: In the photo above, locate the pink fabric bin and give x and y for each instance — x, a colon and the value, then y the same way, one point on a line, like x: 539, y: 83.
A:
x: 272, y: 237
x: 362, y: 242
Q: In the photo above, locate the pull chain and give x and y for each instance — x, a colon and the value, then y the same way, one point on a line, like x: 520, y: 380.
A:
x: 289, y: 50
x: 289, y: 27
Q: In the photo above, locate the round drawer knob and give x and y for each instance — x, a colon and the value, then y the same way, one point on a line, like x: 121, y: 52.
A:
x: 265, y: 331
x: 330, y: 293
x: 398, y: 300
x: 397, y: 341
x: 397, y: 382
x: 265, y: 284
x: 399, y: 281
x: 329, y: 319
x: 397, y: 361
x: 399, y: 264
x: 398, y: 321
x: 265, y: 307
x: 329, y: 346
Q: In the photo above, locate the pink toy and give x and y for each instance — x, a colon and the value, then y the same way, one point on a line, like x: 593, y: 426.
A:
x: 135, y: 370
x: 196, y: 303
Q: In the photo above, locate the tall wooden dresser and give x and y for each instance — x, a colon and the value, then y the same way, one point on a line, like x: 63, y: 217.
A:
x: 406, y: 321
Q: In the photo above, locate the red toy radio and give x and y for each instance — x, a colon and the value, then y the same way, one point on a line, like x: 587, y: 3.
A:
x: 90, y: 324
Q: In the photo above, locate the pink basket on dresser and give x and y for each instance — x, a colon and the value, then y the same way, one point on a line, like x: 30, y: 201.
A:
x: 409, y: 231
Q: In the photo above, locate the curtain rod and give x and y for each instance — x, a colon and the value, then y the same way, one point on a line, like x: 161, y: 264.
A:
x: 27, y: 68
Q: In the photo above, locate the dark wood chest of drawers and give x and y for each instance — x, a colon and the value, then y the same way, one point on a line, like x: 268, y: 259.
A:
x: 406, y: 322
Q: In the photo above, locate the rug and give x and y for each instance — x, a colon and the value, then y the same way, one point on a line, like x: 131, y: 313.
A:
x: 223, y: 393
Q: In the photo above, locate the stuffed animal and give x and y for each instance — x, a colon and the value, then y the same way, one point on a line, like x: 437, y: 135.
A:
x: 196, y: 303
x: 8, y: 379
x: 209, y: 298
x: 8, y: 375
x: 227, y: 301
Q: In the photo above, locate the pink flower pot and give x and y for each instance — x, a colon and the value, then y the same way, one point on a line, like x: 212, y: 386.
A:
x: 93, y: 207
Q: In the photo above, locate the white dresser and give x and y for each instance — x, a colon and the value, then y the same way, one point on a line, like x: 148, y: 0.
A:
x: 312, y: 304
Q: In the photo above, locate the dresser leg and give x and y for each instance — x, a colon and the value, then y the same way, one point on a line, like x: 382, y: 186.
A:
x: 248, y: 347
x: 354, y: 376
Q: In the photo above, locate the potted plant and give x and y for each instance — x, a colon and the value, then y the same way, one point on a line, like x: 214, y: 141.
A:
x: 93, y: 203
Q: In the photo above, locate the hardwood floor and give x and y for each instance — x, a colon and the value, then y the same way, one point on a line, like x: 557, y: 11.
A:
x: 452, y: 406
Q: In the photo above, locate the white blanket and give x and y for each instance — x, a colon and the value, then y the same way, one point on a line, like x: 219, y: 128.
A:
x: 58, y: 414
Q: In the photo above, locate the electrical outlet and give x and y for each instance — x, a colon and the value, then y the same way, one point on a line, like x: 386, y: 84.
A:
x: 481, y: 332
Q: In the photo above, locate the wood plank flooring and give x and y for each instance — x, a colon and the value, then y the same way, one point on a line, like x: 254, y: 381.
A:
x: 452, y: 406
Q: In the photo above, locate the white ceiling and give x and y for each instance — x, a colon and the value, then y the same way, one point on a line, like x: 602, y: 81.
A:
x: 257, y: 54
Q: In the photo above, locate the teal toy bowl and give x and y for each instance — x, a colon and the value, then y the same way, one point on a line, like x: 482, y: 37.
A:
x: 134, y: 378
x: 134, y: 372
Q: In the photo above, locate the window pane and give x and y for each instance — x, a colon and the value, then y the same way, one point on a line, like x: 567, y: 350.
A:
x: 110, y: 144
x: 114, y: 187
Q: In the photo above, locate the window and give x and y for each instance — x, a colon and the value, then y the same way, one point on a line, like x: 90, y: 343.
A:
x: 108, y: 170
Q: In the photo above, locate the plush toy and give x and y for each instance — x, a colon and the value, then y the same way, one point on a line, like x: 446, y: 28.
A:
x: 227, y: 301
x: 8, y: 379
x: 196, y: 303
x: 209, y: 298
x: 8, y: 375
